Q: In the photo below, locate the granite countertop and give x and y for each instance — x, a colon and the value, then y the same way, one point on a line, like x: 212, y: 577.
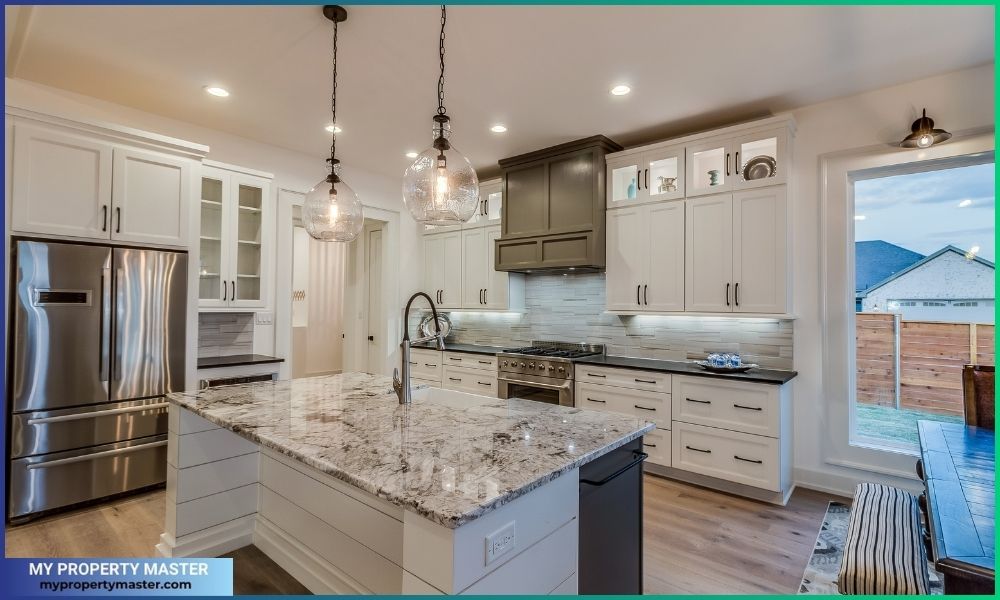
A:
x: 771, y: 376
x: 450, y: 459
x: 236, y: 360
x: 470, y: 348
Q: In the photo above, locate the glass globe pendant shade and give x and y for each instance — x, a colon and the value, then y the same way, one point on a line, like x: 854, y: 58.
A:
x: 441, y: 187
x: 332, y: 211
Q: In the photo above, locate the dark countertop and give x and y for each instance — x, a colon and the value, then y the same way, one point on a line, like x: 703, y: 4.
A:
x: 771, y: 376
x: 236, y: 360
x: 470, y: 348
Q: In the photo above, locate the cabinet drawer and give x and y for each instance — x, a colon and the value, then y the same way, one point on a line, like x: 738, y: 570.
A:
x: 473, y: 381
x: 656, y: 443
x: 485, y: 362
x: 651, y: 406
x: 628, y: 378
x: 739, y: 457
x: 425, y: 364
x: 434, y: 383
x: 745, y: 407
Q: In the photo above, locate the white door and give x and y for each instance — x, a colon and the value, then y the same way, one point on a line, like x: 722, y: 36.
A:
x: 663, y: 287
x: 708, y: 238
x: 475, y: 279
x: 149, y: 197
x: 625, y: 178
x: 709, y: 168
x: 663, y: 174
x: 250, y: 214
x: 434, y: 265
x: 491, y: 195
x: 627, y: 255
x: 61, y: 184
x: 760, y: 253
x: 214, y: 239
x: 451, y: 293
x: 376, y: 345
x: 758, y: 148
x: 497, y: 294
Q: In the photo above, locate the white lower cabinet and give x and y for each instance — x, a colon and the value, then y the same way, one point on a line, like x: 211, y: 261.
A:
x: 426, y: 365
x: 459, y: 371
x: 738, y: 457
x: 473, y: 381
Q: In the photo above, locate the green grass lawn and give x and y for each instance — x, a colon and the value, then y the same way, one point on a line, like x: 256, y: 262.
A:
x: 896, y: 425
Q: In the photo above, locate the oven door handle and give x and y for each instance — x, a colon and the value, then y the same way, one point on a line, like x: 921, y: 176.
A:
x: 565, y: 385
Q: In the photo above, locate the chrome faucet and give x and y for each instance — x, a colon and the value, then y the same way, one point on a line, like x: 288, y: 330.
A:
x: 401, y: 384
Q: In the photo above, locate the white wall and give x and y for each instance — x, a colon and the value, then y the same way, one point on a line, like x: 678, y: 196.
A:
x: 292, y: 170
x: 957, y: 101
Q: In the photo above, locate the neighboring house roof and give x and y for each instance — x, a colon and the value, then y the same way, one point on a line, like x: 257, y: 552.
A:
x: 922, y: 262
x: 876, y: 261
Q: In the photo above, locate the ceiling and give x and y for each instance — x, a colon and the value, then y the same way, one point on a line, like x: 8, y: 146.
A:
x: 543, y: 71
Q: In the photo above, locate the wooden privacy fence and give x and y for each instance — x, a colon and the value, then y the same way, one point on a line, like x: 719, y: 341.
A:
x: 917, y: 364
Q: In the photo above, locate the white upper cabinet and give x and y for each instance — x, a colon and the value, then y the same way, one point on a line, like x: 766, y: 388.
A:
x: 708, y: 271
x: 645, y: 259
x: 237, y: 222
x: 69, y: 182
x: 61, y: 183
x: 745, y: 161
x: 149, y: 194
x: 487, y: 213
x: 646, y: 177
x: 709, y: 168
x: 760, y: 251
x: 459, y: 271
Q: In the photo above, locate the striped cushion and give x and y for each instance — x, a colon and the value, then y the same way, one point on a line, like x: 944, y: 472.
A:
x: 884, y: 552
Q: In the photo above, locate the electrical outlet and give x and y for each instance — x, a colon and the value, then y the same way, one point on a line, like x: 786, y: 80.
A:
x: 500, y: 542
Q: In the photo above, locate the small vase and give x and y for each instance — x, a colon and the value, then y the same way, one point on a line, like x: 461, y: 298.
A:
x: 630, y: 192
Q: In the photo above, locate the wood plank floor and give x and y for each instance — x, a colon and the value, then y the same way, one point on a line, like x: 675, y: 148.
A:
x: 697, y: 541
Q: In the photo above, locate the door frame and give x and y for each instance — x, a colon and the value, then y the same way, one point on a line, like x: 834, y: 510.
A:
x: 371, y: 226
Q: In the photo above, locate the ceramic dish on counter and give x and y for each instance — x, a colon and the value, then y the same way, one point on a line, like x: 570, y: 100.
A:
x: 704, y: 364
x: 759, y: 167
x: 426, y: 326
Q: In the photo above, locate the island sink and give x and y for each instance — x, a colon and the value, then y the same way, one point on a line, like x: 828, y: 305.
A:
x: 351, y: 492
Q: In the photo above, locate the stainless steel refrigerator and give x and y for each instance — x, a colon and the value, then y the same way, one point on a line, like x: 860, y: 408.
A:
x: 97, y: 338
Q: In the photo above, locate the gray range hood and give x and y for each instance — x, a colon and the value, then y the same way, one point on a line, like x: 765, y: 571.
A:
x: 553, y: 208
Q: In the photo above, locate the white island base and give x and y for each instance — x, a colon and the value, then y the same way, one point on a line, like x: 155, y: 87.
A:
x: 225, y: 492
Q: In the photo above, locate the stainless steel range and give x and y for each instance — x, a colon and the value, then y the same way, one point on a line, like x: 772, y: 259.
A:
x: 542, y: 371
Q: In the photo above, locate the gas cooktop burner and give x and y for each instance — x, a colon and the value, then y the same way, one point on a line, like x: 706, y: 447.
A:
x: 551, y: 352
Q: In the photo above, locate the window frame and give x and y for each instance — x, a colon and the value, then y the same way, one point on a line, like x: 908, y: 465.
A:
x: 838, y: 172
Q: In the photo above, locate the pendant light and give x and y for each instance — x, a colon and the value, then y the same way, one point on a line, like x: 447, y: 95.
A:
x: 923, y: 134
x: 332, y: 211
x: 441, y: 187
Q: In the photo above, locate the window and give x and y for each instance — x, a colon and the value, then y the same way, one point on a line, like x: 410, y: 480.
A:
x: 929, y: 235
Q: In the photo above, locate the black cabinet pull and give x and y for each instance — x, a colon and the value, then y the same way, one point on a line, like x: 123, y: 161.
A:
x: 698, y: 450
x: 698, y: 401
x: 430, y: 365
x: 596, y: 375
x: 118, y: 215
x: 486, y: 384
x: 484, y: 362
x: 637, y: 380
x: 736, y: 162
x: 736, y: 294
x: 486, y: 207
x: 598, y: 401
x: 453, y: 358
x: 638, y: 288
x: 649, y: 445
x: 371, y: 338
x: 645, y: 298
x: 639, y: 457
x: 233, y: 295
x: 486, y: 295
x: 225, y: 291
x: 727, y: 294
x: 644, y: 407
x: 454, y: 379
x: 749, y: 460
x: 104, y: 217
x: 727, y: 164
x: 757, y: 408
x: 646, y: 176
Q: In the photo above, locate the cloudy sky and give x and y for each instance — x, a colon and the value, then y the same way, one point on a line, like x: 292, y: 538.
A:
x: 926, y: 211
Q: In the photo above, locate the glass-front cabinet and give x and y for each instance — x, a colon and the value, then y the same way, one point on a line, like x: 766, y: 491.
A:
x: 487, y: 214
x: 646, y: 177
x: 745, y: 162
x: 236, y: 209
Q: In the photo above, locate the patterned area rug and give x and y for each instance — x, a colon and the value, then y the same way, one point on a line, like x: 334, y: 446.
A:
x: 820, y: 576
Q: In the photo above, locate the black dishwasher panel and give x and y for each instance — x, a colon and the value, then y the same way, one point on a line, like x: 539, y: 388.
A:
x: 610, y: 560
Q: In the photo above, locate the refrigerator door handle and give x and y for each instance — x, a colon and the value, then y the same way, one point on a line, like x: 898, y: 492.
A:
x: 119, y: 302
x: 97, y: 414
x: 105, y: 342
x: 86, y: 457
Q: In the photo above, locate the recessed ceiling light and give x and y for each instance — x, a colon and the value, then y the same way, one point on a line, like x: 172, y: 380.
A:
x: 331, y: 128
x: 498, y: 128
x: 964, y: 203
x: 217, y: 91
x: 860, y: 217
x: 412, y: 154
x: 620, y: 90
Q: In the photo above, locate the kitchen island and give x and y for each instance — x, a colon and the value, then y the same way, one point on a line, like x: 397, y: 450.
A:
x: 351, y: 492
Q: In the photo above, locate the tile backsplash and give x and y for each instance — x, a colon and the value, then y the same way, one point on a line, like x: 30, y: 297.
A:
x: 571, y: 308
x: 225, y: 334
